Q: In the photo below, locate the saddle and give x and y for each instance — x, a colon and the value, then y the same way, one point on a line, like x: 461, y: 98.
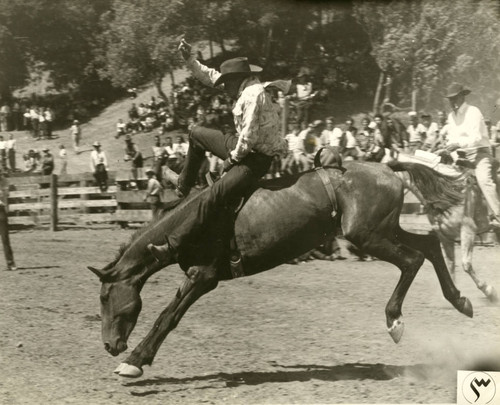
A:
x: 325, y: 158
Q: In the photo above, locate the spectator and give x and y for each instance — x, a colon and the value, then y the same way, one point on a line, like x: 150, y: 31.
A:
x: 395, y: 136
x: 428, y: 131
x: 31, y: 162
x: 414, y: 139
x: 3, y: 154
x: 27, y: 119
x: 34, y: 121
x: 350, y: 149
x: 332, y: 135
x: 63, y: 157
x: 4, y: 117
x: 11, y: 152
x: 121, y: 128
x: 370, y: 142
x: 159, y: 158
x: 153, y: 193
x: 47, y: 162
x: 42, y: 124
x: 49, y: 118
x: 133, y: 155
x: 99, y: 166
x: 17, y: 117
x: 312, y: 143
x: 4, y: 223
x: 295, y: 161
x: 304, y: 96
x: 76, y: 135
x: 180, y: 148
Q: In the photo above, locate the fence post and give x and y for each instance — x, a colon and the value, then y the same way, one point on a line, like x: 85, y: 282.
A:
x: 53, y: 202
x: 284, y: 116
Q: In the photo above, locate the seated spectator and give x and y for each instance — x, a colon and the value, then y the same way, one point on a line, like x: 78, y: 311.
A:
x: 428, y: 132
x: 351, y: 150
x: 332, y: 135
x: 394, y: 135
x: 121, y: 128
x: 312, y: 143
x: 370, y: 142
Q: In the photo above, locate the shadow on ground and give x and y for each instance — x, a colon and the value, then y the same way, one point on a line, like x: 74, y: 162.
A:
x: 298, y: 373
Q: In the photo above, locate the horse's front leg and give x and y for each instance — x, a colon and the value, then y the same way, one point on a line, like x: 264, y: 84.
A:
x: 467, y: 236
x: 199, y: 281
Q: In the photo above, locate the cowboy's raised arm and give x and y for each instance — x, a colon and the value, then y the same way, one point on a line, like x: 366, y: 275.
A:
x: 203, y: 73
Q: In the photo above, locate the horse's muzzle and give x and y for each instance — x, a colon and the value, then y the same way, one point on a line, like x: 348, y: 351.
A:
x: 115, y: 351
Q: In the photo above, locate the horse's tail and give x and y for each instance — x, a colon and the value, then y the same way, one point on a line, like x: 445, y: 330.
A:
x: 441, y: 192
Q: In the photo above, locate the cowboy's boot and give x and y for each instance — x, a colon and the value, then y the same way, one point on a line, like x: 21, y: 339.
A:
x: 162, y: 253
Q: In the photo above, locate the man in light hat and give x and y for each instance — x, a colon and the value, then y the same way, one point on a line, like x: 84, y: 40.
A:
x: 153, y: 193
x: 247, y: 155
x: 467, y: 131
x: 99, y: 166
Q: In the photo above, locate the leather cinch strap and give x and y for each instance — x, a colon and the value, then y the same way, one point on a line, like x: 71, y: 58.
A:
x: 330, y: 190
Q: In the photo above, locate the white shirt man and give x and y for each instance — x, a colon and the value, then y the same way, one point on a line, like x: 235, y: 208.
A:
x: 467, y: 131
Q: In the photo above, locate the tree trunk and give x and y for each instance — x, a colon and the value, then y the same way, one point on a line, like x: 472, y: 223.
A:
x: 211, y: 46
x: 269, y: 45
x: 414, y: 96
x: 388, y: 88
x: 378, y: 92
x: 157, y: 82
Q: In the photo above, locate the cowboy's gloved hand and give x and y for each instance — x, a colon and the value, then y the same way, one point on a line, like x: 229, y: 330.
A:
x: 228, y: 164
x: 185, y: 49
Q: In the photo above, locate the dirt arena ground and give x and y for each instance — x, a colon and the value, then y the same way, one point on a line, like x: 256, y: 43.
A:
x: 307, y: 333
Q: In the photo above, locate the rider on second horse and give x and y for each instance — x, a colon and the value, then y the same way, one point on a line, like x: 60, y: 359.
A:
x: 247, y: 156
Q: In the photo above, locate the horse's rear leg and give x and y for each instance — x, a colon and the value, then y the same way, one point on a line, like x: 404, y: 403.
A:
x: 429, y: 245
x: 467, y: 236
x: 408, y: 261
x: 199, y: 281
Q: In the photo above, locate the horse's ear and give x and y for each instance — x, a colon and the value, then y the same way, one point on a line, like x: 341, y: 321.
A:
x: 97, y: 272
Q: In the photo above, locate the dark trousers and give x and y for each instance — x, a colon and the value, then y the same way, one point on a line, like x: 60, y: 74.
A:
x: 4, y: 232
x: 232, y: 185
x: 101, y: 176
x: 156, y: 206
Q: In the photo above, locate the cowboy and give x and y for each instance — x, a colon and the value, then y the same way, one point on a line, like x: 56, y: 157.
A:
x: 47, y: 162
x: 153, y: 192
x: 247, y: 155
x: 467, y: 131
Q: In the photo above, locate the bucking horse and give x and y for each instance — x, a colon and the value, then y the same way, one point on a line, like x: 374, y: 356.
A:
x: 279, y: 220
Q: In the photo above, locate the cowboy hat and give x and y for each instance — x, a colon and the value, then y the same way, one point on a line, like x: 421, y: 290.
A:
x: 236, y: 67
x: 149, y: 170
x: 315, y: 124
x: 96, y: 143
x: 455, y: 89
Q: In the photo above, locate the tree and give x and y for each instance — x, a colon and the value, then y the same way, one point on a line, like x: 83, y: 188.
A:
x: 13, y: 72
x: 139, y: 41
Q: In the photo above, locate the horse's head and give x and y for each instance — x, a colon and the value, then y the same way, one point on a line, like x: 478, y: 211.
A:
x: 121, y: 305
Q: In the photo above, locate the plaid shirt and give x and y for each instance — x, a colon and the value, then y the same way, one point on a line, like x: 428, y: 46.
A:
x: 255, y: 117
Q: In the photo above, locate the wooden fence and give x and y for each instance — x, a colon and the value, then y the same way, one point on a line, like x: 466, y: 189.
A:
x: 75, y: 200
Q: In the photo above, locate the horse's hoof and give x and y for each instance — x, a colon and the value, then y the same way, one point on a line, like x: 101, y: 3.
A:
x: 491, y: 294
x: 130, y: 371
x: 396, y: 330
x: 120, y: 368
x: 466, y: 307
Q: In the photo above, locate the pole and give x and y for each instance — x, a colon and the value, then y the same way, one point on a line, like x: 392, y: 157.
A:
x: 53, y: 202
x: 284, y: 116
